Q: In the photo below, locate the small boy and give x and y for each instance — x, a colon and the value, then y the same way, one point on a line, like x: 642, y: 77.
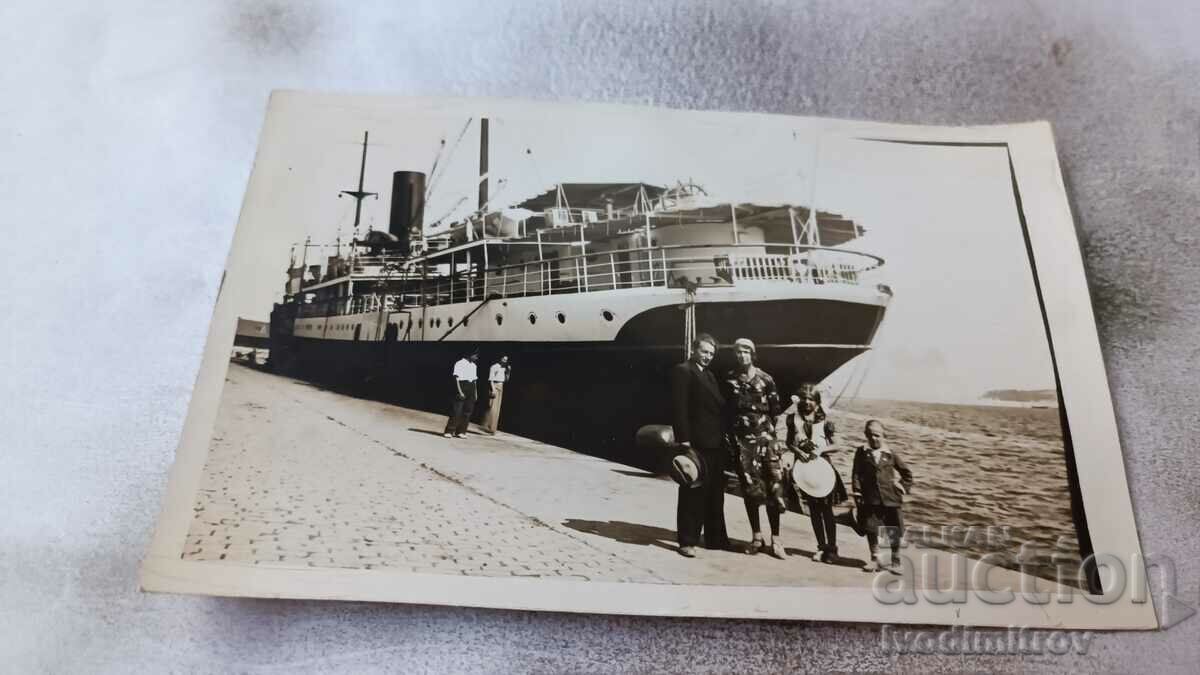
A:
x: 879, y: 493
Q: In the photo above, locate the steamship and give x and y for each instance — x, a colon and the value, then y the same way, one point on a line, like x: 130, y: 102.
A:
x: 593, y: 290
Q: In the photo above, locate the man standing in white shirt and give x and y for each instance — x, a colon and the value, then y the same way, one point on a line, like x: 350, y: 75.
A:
x: 465, y: 375
x: 497, y: 376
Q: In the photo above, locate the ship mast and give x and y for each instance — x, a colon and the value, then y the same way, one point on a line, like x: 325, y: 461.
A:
x: 358, y: 194
x: 483, y: 164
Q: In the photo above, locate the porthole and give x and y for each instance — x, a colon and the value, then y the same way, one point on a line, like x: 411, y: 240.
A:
x: 465, y: 321
x: 532, y: 318
x: 562, y: 318
x: 499, y: 319
x: 608, y: 316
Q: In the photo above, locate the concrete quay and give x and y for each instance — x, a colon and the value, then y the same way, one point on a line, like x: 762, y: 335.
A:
x: 298, y: 476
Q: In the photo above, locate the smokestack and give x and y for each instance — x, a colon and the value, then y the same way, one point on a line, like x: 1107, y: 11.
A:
x: 407, y: 216
x: 483, y: 163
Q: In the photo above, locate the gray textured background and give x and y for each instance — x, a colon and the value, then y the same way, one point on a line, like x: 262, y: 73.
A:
x: 127, y: 134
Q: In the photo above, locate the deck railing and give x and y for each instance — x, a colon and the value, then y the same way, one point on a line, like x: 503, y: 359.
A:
x: 659, y: 266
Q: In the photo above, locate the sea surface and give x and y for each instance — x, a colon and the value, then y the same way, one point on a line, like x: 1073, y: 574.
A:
x: 977, y: 465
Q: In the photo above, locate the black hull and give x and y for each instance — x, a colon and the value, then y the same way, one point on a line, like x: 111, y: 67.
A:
x: 587, y: 396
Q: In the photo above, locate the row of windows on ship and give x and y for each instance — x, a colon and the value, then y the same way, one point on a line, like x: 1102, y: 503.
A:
x: 436, y: 322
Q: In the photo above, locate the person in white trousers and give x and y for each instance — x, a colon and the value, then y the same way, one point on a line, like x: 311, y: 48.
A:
x: 497, y: 377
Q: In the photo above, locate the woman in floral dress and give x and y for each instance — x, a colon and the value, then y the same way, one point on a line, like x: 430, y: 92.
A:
x: 753, y: 404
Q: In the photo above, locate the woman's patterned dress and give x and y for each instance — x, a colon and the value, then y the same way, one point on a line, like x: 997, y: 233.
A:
x: 753, y: 404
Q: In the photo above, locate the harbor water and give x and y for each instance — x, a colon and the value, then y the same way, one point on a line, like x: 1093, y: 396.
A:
x: 977, y: 465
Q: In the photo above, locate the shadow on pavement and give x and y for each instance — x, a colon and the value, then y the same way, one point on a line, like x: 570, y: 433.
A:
x: 470, y: 432
x: 805, y: 554
x: 431, y: 432
x: 639, y: 474
x: 848, y: 562
x: 626, y: 533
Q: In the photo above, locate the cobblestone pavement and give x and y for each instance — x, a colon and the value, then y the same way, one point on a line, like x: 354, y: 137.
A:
x: 286, y: 483
x: 300, y: 476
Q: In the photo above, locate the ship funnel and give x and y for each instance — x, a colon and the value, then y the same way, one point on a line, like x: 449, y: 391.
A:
x: 407, y: 217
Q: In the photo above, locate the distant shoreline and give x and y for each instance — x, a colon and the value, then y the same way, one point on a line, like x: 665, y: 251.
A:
x: 1021, y: 395
x: 980, y: 402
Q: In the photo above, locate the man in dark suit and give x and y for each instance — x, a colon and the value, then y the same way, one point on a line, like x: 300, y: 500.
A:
x: 880, y: 481
x: 698, y: 423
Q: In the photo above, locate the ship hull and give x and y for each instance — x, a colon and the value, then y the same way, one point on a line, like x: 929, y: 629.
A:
x: 592, y: 396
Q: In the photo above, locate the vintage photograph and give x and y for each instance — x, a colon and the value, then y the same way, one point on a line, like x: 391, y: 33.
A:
x: 594, y: 346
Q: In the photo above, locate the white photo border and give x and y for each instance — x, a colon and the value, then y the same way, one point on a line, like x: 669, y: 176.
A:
x: 1079, y: 368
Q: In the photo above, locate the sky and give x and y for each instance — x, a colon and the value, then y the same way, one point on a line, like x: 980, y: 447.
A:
x: 964, y: 318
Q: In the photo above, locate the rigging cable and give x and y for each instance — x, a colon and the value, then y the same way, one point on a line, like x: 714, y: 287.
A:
x: 433, y: 174
x: 537, y: 172
x: 434, y: 224
x: 864, y: 364
x: 689, y: 317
